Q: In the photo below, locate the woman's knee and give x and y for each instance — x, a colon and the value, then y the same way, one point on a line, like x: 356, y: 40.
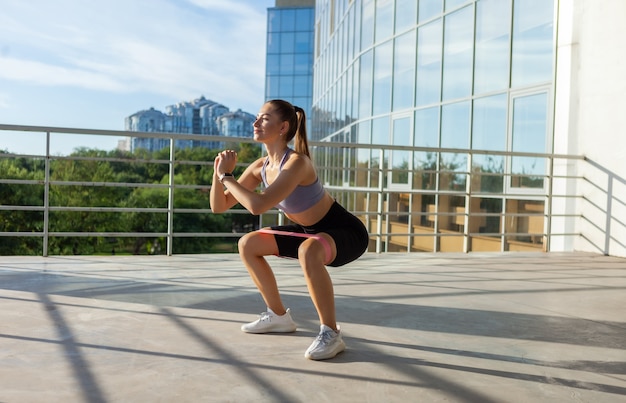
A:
x: 257, y: 244
x: 311, y: 251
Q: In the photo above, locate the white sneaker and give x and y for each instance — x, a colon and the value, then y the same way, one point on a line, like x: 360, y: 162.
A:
x: 327, y: 344
x: 269, y: 322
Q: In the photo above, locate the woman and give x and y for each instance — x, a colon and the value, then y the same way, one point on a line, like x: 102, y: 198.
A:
x: 323, y: 233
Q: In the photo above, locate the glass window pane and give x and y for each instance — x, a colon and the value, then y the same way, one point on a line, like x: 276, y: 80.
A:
x: 384, y: 19
x: 303, y: 42
x: 400, y: 159
x: 458, y: 54
x: 383, y: 57
x: 452, y: 4
x: 288, y: 20
x: 273, y: 20
x: 287, y: 42
x: 451, y: 213
x: 404, y: 71
x: 532, y: 41
x: 273, y: 64
x: 429, y: 9
x: 380, y: 131
x: 365, y: 132
x: 406, y: 14
x: 305, y: 18
x: 286, y: 63
x: 525, y: 223
x: 485, y: 219
x: 492, y: 45
x: 273, y: 43
x: 489, y: 123
x: 428, y: 84
x: 455, y: 125
x: 367, y: 25
x: 286, y: 86
x: 301, y: 85
x: 427, y: 127
x: 303, y: 63
x: 365, y: 87
x: 449, y: 164
x: 529, y: 135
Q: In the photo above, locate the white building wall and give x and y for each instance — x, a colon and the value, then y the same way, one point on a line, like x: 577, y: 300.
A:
x: 590, y: 119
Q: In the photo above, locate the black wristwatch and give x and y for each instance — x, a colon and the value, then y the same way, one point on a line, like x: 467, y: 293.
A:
x: 224, y: 175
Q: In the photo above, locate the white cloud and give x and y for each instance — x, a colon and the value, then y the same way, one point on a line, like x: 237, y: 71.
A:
x: 4, y: 101
x: 179, y: 48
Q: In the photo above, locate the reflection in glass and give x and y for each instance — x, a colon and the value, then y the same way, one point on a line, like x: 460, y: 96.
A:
x: 400, y: 160
x: 427, y: 127
x: 406, y: 14
x: 288, y: 20
x: 428, y: 83
x: 303, y: 41
x: 383, y: 57
x: 451, y: 220
x: 485, y: 223
x: 425, y: 170
x: 302, y: 64
x: 450, y: 163
x: 455, y: 125
x: 273, y: 20
x: 492, y: 45
x: 380, y: 130
x: 363, y: 160
x: 529, y: 135
x: 458, y: 54
x: 287, y: 42
x: 451, y: 4
x: 487, y: 174
x: 273, y: 64
x: 286, y: 86
x: 365, y: 86
x: 533, y: 41
x: 384, y: 19
x: 367, y: 24
x: 404, y: 71
x: 429, y: 9
x: 525, y: 223
x: 273, y: 43
x: 489, y: 123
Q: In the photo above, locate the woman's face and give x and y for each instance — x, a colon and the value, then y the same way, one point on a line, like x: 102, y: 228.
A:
x: 268, y: 125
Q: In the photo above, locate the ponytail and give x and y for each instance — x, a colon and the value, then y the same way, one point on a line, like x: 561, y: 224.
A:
x: 297, y: 124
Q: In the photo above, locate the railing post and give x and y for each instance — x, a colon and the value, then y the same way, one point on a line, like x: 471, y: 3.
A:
x: 548, y: 210
x: 381, y: 187
x: 46, y: 197
x: 170, y: 201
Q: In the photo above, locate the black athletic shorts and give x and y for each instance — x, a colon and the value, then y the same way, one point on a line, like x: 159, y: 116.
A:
x: 348, y: 232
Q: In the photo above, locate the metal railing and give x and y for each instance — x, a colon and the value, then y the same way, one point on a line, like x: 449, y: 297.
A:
x: 407, y: 216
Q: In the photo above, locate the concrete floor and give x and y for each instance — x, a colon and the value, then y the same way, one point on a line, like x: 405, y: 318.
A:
x: 518, y: 327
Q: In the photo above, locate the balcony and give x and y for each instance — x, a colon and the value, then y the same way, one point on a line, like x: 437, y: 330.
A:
x: 431, y: 208
x: 490, y: 325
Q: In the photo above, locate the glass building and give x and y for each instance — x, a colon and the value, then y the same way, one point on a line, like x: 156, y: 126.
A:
x: 289, y: 59
x: 449, y: 78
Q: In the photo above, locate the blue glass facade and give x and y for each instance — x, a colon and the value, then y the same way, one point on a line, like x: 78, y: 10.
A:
x: 289, y: 63
x: 445, y: 76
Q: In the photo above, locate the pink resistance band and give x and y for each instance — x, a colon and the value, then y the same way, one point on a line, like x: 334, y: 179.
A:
x: 320, y: 238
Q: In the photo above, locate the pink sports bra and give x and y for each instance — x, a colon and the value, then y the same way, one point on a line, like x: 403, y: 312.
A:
x: 303, y: 197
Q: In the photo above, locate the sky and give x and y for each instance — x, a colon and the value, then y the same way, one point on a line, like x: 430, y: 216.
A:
x: 90, y: 64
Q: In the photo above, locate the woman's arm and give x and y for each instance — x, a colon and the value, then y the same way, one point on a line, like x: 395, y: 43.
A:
x: 292, y: 174
x: 222, y: 199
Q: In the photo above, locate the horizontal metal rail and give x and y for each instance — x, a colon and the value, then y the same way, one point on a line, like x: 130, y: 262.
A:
x: 378, y: 215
